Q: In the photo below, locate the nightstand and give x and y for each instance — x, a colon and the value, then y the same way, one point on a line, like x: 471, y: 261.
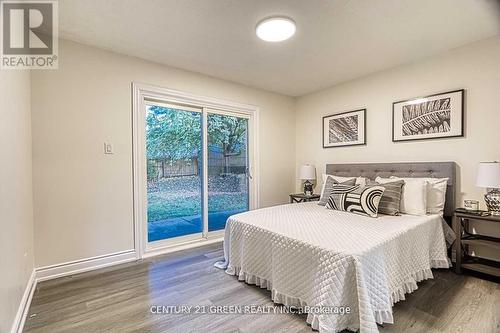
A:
x: 301, y: 197
x: 465, y: 238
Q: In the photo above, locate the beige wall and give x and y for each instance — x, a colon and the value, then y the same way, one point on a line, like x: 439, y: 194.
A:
x: 16, y: 196
x: 475, y: 67
x: 83, y: 198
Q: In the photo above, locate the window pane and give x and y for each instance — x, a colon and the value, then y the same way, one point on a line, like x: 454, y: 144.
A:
x: 227, y: 168
x: 174, y: 172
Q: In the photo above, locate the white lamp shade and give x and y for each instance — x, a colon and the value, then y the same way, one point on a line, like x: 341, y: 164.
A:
x: 488, y: 175
x: 307, y: 172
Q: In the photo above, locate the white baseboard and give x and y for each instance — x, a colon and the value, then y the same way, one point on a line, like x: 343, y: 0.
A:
x: 64, y: 269
x: 84, y: 265
x: 24, y: 305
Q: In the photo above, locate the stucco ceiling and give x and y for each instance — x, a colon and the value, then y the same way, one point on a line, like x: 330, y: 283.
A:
x: 336, y: 40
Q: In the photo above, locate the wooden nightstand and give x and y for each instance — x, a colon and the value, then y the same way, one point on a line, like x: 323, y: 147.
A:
x: 301, y: 197
x: 464, y: 239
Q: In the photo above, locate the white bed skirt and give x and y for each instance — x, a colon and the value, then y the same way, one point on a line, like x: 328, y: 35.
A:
x: 368, y: 270
x: 381, y: 316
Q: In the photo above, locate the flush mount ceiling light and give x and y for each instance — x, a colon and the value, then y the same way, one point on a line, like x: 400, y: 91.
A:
x: 275, y: 29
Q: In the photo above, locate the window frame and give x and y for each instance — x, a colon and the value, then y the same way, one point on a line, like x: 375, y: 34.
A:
x: 143, y: 94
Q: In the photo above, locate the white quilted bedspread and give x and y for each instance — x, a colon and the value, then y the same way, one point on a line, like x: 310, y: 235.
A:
x: 308, y: 255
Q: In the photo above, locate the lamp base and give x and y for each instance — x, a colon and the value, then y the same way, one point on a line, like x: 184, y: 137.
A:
x: 492, y: 199
x: 308, y: 188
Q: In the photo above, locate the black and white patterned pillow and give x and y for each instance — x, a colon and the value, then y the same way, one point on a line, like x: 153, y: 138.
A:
x: 363, y: 200
x: 391, y: 199
x: 330, y: 183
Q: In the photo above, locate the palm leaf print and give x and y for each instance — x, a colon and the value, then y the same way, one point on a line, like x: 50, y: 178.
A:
x: 427, y: 117
x: 343, y: 129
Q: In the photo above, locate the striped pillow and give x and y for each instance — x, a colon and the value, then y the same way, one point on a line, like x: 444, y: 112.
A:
x: 363, y: 200
x: 391, y: 199
x: 330, y: 183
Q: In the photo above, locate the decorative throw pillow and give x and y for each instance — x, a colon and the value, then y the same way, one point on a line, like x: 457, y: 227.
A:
x: 359, y: 180
x: 414, y: 195
x: 336, y: 178
x: 330, y: 183
x: 436, y: 194
x: 391, y: 199
x: 363, y: 200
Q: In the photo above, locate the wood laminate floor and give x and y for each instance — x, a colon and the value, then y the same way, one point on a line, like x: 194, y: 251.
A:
x: 118, y: 299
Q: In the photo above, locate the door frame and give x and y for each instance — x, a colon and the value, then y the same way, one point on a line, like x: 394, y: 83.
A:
x: 142, y: 92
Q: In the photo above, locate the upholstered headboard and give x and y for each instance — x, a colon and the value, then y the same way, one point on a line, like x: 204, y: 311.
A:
x: 416, y: 169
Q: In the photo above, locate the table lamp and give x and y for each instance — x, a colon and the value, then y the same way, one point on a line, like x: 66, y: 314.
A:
x: 488, y: 176
x: 307, y: 172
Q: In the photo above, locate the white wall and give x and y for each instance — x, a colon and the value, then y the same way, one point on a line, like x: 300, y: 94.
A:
x: 16, y: 196
x: 475, y: 67
x: 83, y: 198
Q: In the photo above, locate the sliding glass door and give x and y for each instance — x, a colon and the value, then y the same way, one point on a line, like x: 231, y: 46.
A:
x: 228, y: 168
x: 174, y: 148
x: 197, y: 169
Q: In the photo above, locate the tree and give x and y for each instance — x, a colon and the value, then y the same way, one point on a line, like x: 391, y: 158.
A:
x: 172, y: 134
x: 175, y: 135
x: 229, y: 133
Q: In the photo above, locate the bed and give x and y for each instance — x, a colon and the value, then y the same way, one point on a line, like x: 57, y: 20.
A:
x: 331, y: 261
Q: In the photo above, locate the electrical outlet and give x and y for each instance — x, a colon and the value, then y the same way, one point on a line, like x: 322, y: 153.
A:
x: 108, y: 148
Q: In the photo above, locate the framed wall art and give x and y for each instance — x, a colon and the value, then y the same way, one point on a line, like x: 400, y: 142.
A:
x: 344, y: 129
x: 430, y: 117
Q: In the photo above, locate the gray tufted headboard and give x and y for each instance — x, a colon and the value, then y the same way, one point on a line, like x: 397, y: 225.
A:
x: 414, y: 169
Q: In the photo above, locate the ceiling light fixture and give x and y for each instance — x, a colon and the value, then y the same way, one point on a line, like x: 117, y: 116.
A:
x: 275, y: 29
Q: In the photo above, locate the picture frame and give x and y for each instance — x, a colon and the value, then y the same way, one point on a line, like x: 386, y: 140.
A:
x: 344, y: 129
x: 471, y: 204
x: 434, y: 116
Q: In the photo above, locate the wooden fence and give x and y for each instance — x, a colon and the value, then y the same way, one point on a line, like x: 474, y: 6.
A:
x: 217, y: 165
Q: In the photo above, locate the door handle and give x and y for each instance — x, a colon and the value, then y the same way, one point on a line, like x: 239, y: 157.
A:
x: 248, y: 174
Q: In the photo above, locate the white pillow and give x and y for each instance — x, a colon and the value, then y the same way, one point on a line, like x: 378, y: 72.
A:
x: 361, y: 181
x: 436, y: 193
x: 413, y: 197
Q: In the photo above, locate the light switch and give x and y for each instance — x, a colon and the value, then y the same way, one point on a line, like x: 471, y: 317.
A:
x: 108, y: 148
